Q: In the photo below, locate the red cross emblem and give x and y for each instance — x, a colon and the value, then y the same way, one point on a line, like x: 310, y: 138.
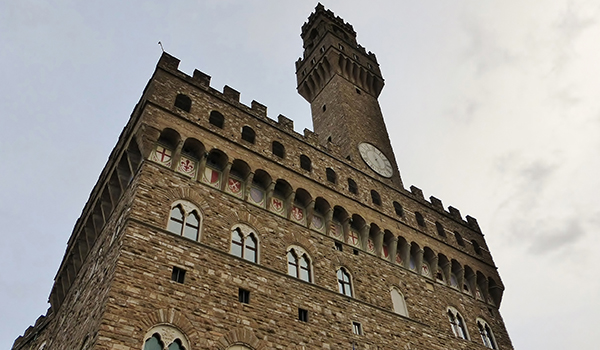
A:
x: 353, y: 238
x: 162, y: 154
x: 234, y: 185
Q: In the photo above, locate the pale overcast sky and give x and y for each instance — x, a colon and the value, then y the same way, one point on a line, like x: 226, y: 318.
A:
x: 492, y: 107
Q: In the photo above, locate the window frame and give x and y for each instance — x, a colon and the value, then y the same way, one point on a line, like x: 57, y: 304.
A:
x: 247, y: 234
x: 187, y: 210
x: 344, y: 287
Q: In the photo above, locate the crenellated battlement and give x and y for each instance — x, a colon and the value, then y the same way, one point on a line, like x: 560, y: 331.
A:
x: 320, y: 10
x: 202, y: 80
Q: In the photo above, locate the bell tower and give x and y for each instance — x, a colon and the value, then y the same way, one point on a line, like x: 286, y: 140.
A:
x: 342, y: 82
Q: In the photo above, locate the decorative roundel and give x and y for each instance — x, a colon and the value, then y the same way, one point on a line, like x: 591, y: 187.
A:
x: 375, y: 159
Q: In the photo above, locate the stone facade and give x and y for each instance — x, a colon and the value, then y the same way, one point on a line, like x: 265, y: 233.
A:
x: 128, y: 275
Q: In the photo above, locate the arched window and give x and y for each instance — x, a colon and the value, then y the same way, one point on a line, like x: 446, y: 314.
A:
x: 476, y: 247
x: 331, y: 176
x: 457, y: 323
x: 299, y: 264
x: 244, y: 243
x: 459, y: 239
x: 278, y: 149
x: 440, y: 229
x: 486, y: 334
x: 216, y: 119
x: 352, y: 187
x: 163, y: 150
x: 398, y: 209
x: 183, y: 102
x: 399, y: 302
x: 420, y: 219
x: 305, y: 163
x: 159, y: 336
x: 185, y: 220
x: 248, y: 134
x: 375, y: 197
x: 344, y: 282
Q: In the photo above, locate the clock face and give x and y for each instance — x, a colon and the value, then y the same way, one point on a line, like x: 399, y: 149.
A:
x: 375, y: 159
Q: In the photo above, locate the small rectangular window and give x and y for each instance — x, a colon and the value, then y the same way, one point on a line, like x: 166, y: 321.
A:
x: 356, y: 328
x: 178, y: 275
x: 303, y: 315
x: 356, y: 252
x: 338, y: 246
x: 244, y: 296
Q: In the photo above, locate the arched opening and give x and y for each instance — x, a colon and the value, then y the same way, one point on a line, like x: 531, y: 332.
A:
x: 352, y: 187
x: 398, y: 209
x: 281, y: 193
x: 191, y: 153
x: 440, y: 229
x: 305, y: 163
x: 301, y: 202
x: 459, y: 239
x: 420, y: 219
x: 336, y: 229
x: 375, y: 198
x: 331, y: 176
x: 183, y: 102
x: 260, y: 183
x: 248, y: 134
x: 278, y: 149
x: 320, y: 211
x: 215, y: 118
x: 236, y: 183
x: 398, y: 302
x: 215, y: 163
x: 357, y: 225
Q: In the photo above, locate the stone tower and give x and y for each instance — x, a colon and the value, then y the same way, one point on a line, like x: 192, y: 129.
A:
x: 213, y: 226
x: 342, y: 81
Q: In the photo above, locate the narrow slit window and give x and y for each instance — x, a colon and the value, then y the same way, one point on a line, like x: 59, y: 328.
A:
x: 244, y: 296
x: 178, y: 274
x: 303, y: 315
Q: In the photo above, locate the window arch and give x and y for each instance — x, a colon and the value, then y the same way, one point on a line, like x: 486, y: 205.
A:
x: 344, y: 282
x: 165, y: 337
x: 185, y: 220
x: 215, y: 118
x: 457, y: 323
x: 183, y: 102
x: 398, y: 302
x: 352, y: 187
x: 486, y: 334
x: 398, y: 209
x: 331, y: 176
x: 375, y: 197
x: 305, y: 163
x: 278, y: 149
x: 244, y: 243
x: 420, y: 219
x: 459, y: 239
x: 299, y: 264
x: 248, y: 134
x: 440, y: 229
x: 476, y: 247
x: 163, y: 150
